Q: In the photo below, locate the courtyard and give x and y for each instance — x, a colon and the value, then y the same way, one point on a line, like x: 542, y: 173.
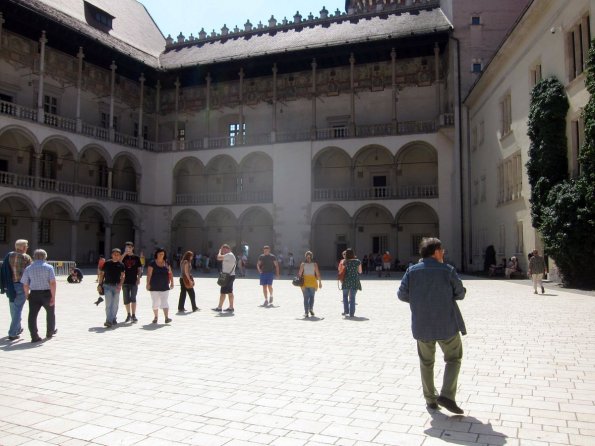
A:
x: 268, y: 376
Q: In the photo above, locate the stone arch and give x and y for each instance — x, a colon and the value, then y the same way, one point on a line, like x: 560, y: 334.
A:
x: 255, y: 177
x: 221, y: 227
x: 56, y: 220
x: 189, y: 180
x: 417, y: 168
x: 374, y: 230
x: 91, y: 224
x: 18, y: 147
x: 256, y: 230
x: 332, y: 233
x: 59, y: 157
x: 188, y: 232
x: 331, y: 168
x: 221, y: 175
x: 415, y: 221
x: 93, y: 169
x: 125, y: 172
x: 124, y: 227
x: 374, y: 172
x: 16, y: 220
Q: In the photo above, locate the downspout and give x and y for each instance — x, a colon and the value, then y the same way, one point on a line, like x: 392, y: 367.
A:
x: 460, y: 132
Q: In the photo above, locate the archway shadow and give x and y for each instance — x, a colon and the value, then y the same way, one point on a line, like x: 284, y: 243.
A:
x: 441, y: 423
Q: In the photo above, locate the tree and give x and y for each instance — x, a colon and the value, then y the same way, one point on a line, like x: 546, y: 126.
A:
x: 567, y: 221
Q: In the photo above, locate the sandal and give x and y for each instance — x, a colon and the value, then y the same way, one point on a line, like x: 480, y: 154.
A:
x: 155, y: 320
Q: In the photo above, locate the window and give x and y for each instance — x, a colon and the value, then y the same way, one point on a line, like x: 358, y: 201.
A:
x: 519, y: 237
x: 505, y: 115
x: 510, y: 179
x: 475, y: 191
x: 474, y: 139
x: 415, y: 241
x: 43, y: 236
x: 98, y: 17
x: 535, y: 75
x: 6, y: 97
x: 105, y: 121
x: 145, y: 131
x: 481, y: 132
x: 3, y: 228
x: 476, y: 20
x: 577, y: 47
x: 482, y: 197
x: 50, y: 104
x: 476, y: 67
x: 234, y: 132
x: 501, y: 240
x: 577, y: 138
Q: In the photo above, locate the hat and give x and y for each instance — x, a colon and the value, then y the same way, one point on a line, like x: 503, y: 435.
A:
x: 118, y: 250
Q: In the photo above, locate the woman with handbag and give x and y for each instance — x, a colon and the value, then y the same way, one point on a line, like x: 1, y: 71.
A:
x: 186, y: 283
x: 160, y: 280
x: 352, y: 268
x: 310, y: 274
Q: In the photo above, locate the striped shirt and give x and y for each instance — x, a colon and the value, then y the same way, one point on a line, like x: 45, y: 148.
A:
x: 38, y: 276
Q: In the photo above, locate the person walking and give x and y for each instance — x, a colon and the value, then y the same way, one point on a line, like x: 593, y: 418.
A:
x: 432, y: 287
x: 186, y: 283
x: 312, y: 281
x: 39, y: 283
x: 133, y: 270
x: 13, y: 266
x: 268, y: 268
x: 536, y: 271
x: 112, y: 277
x: 160, y: 280
x: 351, y: 283
x: 387, y: 263
x: 228, y: 266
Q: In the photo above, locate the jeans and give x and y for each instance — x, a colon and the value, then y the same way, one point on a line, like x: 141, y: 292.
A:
x: 452, y: 349
x: 349, y: 305
x: 16, y: 308
x: 111, y: 302
x: 308, y: 299
x: 37, y: 300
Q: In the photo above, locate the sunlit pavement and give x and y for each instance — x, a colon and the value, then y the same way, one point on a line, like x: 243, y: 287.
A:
x: 269, y: 376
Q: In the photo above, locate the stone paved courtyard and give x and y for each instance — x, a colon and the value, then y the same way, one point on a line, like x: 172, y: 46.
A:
x: 267, y: 376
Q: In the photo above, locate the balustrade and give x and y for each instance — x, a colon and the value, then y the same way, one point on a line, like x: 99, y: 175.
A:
x: 375, y: 193
x: 224, y: 197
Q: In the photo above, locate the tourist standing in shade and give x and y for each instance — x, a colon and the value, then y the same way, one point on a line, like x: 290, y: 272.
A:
x: 160, y: 280
x: 39, y: 283
x: 186, y: 282
x: 432, y: 287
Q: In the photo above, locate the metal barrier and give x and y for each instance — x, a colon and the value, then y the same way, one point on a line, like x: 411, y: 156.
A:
x: 61, y: 267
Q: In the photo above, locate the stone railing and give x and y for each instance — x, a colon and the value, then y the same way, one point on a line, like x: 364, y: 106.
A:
x: 65, y: 187
x: 224, y: 197
x: 375, y: 193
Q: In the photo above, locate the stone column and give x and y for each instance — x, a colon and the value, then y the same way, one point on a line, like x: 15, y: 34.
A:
x: 73, y: 240
x: 274, y: 126
x: 313, y: 127
x: 240, y: 135
x: 395, y: 92
x: 37, y: 169
x: 208, y: 113
x: 157, y: 108
x: 177, y: 111
x: 141, y: 137
x: 110, y: 179
x: 108, y: 241
x: 79, y: 87
x: 352, y: 103
x: 40, y: 111
x: 113, y: 68
x: 34, y: 234
x: 437, y: 78
x: 2, y: 22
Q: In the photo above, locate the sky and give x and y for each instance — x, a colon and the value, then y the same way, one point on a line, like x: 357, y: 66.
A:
x: 189, y: 16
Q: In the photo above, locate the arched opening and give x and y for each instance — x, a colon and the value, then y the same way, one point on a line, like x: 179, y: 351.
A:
x: 125, y: 179
x: 374, y: 231
x: 374, y: 173
x: 222, y: 180
x: 332, y: 233
x: 415, y: 222
x: 123, y: 228
x: 189, y: 181
x: 90, y: 235
x: 188, y: 232
x: 55, y: 231
x: 57, y: 165
x: 331, y: 175
x: 221, y: 227
x: 256, y: 230
x: 255, y: 179
x: 16, y: 222
x: 17, y: 161
x: 93, y: 171
x: 417, y: 171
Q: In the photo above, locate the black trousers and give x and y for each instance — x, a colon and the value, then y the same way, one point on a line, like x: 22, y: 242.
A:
x: 37, y: 300
x: 182, y: 300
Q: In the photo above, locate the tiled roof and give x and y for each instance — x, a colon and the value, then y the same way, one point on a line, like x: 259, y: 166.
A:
x: 133, y: 30
x: 348, y: 30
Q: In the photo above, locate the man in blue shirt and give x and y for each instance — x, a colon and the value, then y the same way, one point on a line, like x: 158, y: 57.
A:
x: 432, y: 288
x: 39, y: 283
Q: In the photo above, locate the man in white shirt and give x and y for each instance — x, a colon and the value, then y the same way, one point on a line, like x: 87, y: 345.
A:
x: 228, y: 265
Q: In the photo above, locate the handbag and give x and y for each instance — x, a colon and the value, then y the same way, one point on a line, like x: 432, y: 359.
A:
x: 188, y: 282
x: 298, y: 281
x: 100, y: 289
x: 341, y: 273
x: 224, y: 278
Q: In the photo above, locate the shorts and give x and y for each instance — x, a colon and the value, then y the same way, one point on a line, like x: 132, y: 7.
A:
x: 386, y: 265
x: 129, y: 293
x: 266, y: 278
x: 228, y: 289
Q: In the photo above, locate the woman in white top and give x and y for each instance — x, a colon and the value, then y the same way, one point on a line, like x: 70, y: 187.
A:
x: 311, y: 274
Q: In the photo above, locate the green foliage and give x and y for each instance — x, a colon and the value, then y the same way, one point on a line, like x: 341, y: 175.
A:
x: 567, y: 220
x: 548, y: 161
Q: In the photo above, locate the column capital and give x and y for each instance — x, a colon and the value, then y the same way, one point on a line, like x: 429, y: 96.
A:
x: 314, y: 64
x: 2, y: 21
x: 43, y: 40
x: 351, y: 59
x: 80, y: 54
x: 274, y: 70
x: 241, y: 73
x: 142, y: 78
x: 177, y: 83
x: 393, y: 54
x: 113, y: 66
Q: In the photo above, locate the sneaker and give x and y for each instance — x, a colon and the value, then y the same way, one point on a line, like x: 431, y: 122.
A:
x: 542, y: 290
x: 155, y: 320
x: 51, y: 335
x: 306, y: 315
x: 266, y: 303
x: 535, y: 292
x: 107, y: 324
x: 114, y: 322
x: 37, y: 339
x: 216, y: 309
x: 311, y: 313
x: 228, y: 310
x: 13, y: 338
x: 167, y: 320
x: 271, y: 300
x: 134, y: 319
x: 128, y: 319
x: 432, y: 406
